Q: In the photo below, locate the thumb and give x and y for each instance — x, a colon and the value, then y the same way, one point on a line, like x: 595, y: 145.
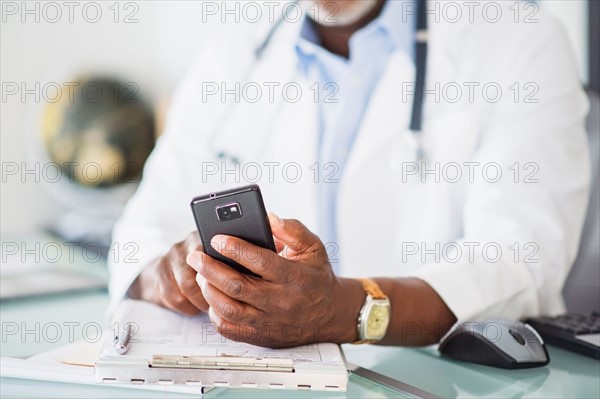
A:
x: 294, y: 235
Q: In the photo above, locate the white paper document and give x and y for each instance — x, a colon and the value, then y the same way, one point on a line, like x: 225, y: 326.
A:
x: 168, y: 348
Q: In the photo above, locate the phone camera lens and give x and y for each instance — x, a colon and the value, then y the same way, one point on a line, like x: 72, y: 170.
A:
x: 229, y: 212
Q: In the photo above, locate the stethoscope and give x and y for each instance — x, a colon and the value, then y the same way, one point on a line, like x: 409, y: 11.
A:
x: 412, y: 142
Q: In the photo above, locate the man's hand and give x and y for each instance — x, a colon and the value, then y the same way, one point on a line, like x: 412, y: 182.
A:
x: 170, y: 282
x: 299, y: 299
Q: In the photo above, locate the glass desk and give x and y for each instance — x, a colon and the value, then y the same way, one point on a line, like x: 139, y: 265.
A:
x: 568, y: 374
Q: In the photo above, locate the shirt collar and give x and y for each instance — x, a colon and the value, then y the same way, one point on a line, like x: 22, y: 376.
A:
x: 394, y: 21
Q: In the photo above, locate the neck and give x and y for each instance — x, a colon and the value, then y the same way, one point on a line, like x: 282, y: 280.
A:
x: 336, y: 39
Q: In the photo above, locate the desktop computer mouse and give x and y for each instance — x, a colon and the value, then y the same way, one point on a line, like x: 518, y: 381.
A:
x: 500, y: 343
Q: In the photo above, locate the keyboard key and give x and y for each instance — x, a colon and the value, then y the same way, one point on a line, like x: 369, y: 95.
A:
x: 562, y: 331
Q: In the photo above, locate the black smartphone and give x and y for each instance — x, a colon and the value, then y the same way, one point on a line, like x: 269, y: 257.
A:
x: 238, y: 212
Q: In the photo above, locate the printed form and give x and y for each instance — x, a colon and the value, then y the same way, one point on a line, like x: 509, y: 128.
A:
x: 156, y: 330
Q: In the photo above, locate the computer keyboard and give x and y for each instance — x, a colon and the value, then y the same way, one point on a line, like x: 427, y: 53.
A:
x: 574, y: 332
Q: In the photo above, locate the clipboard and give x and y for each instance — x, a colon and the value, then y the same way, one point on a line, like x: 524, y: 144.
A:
x: 166, y: 348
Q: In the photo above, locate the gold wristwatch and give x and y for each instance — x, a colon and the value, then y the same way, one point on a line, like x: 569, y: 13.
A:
x: 374, y: 317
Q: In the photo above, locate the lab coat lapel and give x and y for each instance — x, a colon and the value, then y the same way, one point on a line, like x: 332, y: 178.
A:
x: 386, y: 121
x: 385, y: 128
x: 387, y: 115
x: 282, y: 133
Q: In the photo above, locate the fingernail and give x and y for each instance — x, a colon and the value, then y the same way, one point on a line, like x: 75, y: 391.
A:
x: 279, y: 220
x: 218, y: 242
x: 212, y: 315
x: 193, y: 259
x: 201, y: 281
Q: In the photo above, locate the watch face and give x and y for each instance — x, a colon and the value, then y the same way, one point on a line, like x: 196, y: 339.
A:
x: 378, y: 320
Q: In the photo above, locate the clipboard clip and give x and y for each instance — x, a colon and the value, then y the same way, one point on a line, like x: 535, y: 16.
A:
x: 222, y: 363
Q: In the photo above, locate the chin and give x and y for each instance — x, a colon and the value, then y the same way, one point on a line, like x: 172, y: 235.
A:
x: 338, y: 12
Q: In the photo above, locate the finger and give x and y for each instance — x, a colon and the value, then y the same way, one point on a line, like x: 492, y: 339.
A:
x: 192, y: 242
x: 230, y: 309
x: 232, y: 283
x: 185, y: 277
x: 261, y: 261
x: 294, y: 235
x: 173, y: 299
x: 233, y: 331
x: 195, y: 258
x: 170, y: 294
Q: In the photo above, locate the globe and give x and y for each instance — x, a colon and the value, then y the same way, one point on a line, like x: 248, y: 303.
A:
x: 99, y: 132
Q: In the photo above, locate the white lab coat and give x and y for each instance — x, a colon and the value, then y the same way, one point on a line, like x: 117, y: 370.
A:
x: 383, y: 214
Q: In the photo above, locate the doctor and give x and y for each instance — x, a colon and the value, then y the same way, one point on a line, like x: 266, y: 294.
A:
x: 416, y: 213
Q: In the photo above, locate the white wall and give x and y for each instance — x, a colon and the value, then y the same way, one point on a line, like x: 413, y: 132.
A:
x: 154, y: 53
